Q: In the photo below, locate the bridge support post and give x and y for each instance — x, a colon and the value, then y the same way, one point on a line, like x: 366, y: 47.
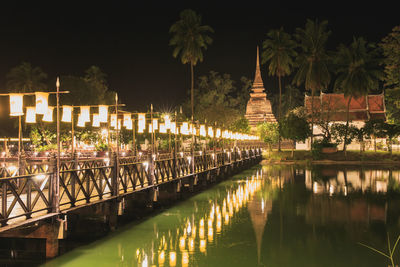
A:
x: 54, y: 197
x: 114, y: 174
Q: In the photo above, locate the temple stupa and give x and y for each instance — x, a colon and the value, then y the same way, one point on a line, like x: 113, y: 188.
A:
x: 259, y: 107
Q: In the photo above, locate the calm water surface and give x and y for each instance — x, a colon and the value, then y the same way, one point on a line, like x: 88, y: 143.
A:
x: 268, y: 216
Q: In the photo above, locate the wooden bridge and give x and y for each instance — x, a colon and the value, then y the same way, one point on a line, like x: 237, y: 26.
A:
x: 35, y: 204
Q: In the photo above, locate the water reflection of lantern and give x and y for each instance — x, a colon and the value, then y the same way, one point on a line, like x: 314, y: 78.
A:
x: 48, y: 116
x: 141, y: 122
x: 16, y: 103
x: 103, y: 113
x: 85, y: 113
x: 185, y: 259
x: 30, y: 115
x: 41, y: 102
x: 191, y: 244
x: 172, y: 258
x: 161, y: 258
x: 210, y: 234
x: 96, y: 120
x: 202, y: 246
x: 67, y: 114
x: 182, y: 243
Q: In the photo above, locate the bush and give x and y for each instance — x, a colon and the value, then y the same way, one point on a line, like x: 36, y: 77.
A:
x: 316, y: 148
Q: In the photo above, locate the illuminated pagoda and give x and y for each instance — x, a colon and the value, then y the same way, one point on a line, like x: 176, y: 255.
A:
x: 258, y: 108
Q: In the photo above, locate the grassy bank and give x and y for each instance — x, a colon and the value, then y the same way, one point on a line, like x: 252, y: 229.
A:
x: 351, y: 157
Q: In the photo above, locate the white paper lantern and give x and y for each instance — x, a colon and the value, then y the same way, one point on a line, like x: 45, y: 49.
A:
x: 16, y: 105
x: 67, y: 114
x: 30, y: 115
x: 85, y: 113
x: 48, y: 115
x: 96, y: 120
x: 103, y: 113
x: 42, y: 102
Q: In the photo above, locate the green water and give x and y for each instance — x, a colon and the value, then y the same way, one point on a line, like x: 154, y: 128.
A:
x: 267, y: 216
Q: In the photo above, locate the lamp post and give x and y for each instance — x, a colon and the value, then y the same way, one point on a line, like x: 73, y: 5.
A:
x: 56, y: 204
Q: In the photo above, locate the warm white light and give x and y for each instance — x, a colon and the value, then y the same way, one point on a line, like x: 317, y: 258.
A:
x: 173, y: 127
x: 42, y: 102
x: 163, y: 128
x: 141, y: 122
x: 155, y: 124
x: 85, y: 113
x: 81, y: 122
x: 16, y: 103
x: 203, y: 130
x: 185, y: 128
x: 96, y: 120
x: 127, y: 121
x: 167, y: 121
x: 67, y: 114
x: 113, y: 120
x: 218, y: 133
x: 210, y: 132
x: 103, y: 113
x: 48, y: 116
x: 30, y: 115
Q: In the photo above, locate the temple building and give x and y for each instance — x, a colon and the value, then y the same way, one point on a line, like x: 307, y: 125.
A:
x: 258, y: 108
x: 332, y: 108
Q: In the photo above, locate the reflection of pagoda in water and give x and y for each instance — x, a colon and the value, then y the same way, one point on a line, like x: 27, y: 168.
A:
x: 258, y: 108
x: 259, y: 208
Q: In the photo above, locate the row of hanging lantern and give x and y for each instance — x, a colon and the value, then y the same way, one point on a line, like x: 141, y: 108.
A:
x: 185, y: 128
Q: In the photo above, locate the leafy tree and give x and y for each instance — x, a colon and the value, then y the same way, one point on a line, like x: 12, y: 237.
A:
x: 268, y: 132
x: 342, y: 133
x: 97, y: 81
x: 215, y: 99
x: 391, y: 131
x: 313, y: 60
x: 279, y: 52
x: 391, y: 51
x: 295, y: 128
x: 359, y: 134
x: 376, y: 129
x: 241, y: 125
x: 358, y: 73
x: 25, y: 78
x: 189, y: 39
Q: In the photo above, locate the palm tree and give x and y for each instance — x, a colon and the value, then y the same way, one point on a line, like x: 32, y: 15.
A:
x: 190, y: 38
x: 25, y: 78
x: 279, y: 52
x: 357, y: 72
x: 312, y: 60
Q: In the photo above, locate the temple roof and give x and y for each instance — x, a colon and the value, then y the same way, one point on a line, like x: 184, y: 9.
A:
x: 361, y: 108
x: 258, y: 82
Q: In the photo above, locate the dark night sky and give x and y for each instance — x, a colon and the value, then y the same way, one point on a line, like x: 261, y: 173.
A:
x: 129, y: 41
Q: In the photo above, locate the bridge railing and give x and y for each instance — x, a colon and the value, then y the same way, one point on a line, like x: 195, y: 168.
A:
x: 83, y: 181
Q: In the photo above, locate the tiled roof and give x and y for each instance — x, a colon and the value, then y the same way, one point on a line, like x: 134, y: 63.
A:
x: 360, y: 108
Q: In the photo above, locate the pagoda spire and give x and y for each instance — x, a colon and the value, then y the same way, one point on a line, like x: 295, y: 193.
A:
x: 258, y: 82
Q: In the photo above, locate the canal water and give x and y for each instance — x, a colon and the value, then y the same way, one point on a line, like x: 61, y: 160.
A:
x: 280, y: 215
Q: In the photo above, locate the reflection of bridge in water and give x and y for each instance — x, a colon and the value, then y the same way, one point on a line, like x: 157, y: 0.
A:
x: 33, y: 207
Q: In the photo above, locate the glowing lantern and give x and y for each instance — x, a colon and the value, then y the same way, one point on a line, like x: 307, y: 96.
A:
x: 48, y: 116
x: 210, y: 132
x: 150, y: 128
x: 16, y: 102
x: 103, y: 113
x: 81, y: 121
x: 141, y: 122
x: 119, y: 124
x: 203, y: 130
x: 96, y: 120
x: 194, y: 130
x: 218, y: 133
x: 167, y: 122
x: 42, y: 102
x: 155, y: 124
x: 85, y: 113
x: 67, y: 114
x: 127, y: 120
x: 185, y: 128
x: 173, y: 127
x: 163, y: 128
x: 30, y: 115
x: 113, y: 121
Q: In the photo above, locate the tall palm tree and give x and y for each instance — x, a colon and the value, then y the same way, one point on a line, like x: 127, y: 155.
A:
x: 312, y: 60
x: 190, y: 38
x: 25, y: 78
x: 357, y: 72
x: 279, y: 52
